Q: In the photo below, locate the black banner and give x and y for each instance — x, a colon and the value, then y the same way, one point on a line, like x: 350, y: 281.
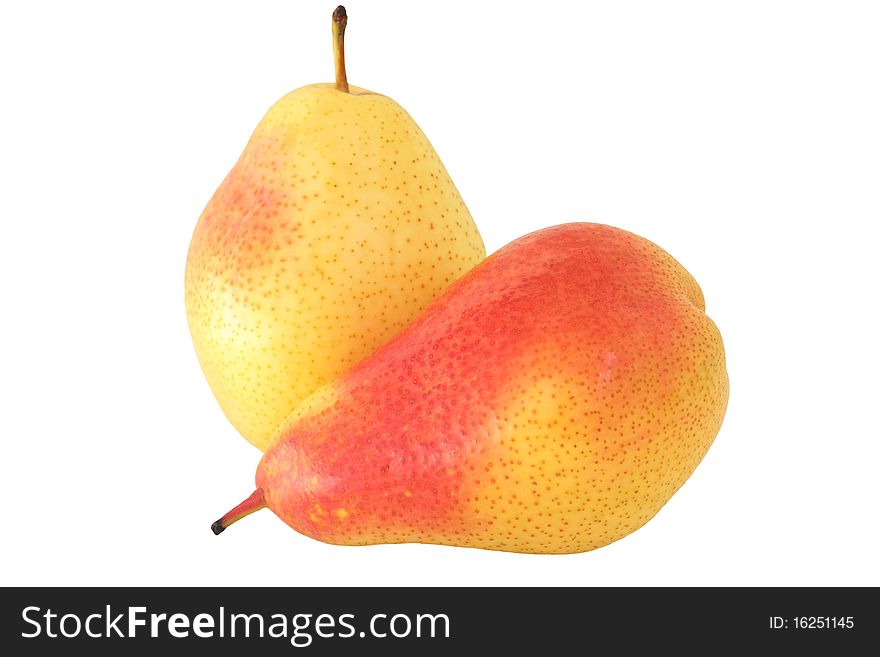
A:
x: 407, y: 621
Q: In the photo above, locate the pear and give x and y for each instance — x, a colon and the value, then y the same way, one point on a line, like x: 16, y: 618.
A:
x: 335, y: 228
x: 550, y: 401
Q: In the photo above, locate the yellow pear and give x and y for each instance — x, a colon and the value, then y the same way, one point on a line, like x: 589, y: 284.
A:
x: 336, y: 227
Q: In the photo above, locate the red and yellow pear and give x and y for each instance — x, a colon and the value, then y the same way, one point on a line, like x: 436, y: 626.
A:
x: 336, y: 227
x: 550, y: 401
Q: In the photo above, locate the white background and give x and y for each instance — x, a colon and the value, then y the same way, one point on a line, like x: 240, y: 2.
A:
x: 743, y: 137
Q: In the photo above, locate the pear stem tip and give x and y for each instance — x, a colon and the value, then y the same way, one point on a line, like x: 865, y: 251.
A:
x: 254, y: 503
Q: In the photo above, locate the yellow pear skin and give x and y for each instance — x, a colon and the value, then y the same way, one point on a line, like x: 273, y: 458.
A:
x: 335, y: 228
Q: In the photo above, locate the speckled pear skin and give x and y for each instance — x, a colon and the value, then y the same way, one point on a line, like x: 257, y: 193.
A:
x: 550, y: 401
x: 337, y: 226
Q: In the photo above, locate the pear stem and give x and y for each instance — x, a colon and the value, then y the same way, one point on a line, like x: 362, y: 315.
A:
x: 340, y: 20
x: 254, y: 503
